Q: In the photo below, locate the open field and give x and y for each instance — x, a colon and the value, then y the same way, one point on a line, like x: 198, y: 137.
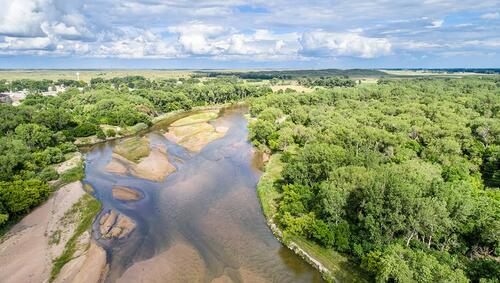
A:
x: 86, y: 75
x: 421, y: 73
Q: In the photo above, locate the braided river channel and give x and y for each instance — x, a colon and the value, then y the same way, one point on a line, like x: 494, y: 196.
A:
x: 202, y: 222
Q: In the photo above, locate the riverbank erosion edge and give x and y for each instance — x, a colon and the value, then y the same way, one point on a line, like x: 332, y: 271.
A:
x: 53, y: 242
x: 333, y: 266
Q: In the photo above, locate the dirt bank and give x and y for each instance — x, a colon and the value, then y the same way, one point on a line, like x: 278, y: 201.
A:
x: 27, y: 251
x: 90, y: 266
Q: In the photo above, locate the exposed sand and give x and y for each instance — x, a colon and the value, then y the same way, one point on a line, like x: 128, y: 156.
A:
x: 180, y: 263
x: 70, y: 163
x: 297, y: 88
x: 90, y: 266
x: 25, y: 253
x: 124, y: 193
x: 195, y: 136
x: 115, y: 225
x: 154, y: 167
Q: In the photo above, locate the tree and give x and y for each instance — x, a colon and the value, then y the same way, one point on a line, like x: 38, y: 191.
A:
x: 34, y: 136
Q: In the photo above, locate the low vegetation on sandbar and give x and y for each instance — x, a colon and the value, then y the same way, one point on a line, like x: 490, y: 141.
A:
x: 204, y: 116
x: 133, y: 149
x: 154, y: 167
x: 194, y: 132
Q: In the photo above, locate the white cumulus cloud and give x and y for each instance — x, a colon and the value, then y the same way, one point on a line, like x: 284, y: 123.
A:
x: 491, y: 16
x: 322, y: 43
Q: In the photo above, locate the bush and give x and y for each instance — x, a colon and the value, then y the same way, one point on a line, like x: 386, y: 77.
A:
x: 19, y: 196
x: 67, y: 147
x: 85, y: 130
x: 48, y: 174
x: 100, y: 134
x: 110, y: 133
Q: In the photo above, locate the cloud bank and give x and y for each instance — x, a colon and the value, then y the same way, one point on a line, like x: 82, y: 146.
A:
x: 253, y: 31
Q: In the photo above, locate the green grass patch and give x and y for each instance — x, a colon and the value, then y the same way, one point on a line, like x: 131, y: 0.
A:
x: 85, y: 211
x: 55, y: 237
x: 72, y: 175
x: 266, y: 191
x: 133, y: 149
x: 340, y: 266
x: 196, y: 118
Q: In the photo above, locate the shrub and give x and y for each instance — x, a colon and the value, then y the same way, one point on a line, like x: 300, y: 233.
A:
x: 85, y: 130
x: 100, y: 134
x: 110, y: 133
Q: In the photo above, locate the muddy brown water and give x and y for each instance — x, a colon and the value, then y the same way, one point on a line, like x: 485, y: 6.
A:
x: 202, y: 223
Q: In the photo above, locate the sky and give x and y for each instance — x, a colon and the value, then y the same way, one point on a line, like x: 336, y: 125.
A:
x: 238, y: 34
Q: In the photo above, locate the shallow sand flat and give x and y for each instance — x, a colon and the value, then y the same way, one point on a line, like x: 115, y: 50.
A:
x: 124, y: 193
x: 180, y: 263
x: 195, y: 137
x: 115, y: 225
x: 25, y: 253
x: 154, y: 167
x: 90, y: 266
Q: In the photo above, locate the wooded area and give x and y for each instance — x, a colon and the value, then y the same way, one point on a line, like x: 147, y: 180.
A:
x: 402, y: 176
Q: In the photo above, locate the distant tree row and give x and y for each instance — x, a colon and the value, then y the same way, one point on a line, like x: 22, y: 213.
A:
x: 37, y: 86
x: 327, y: 82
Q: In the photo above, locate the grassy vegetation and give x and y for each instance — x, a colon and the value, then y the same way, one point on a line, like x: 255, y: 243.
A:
x: 85, y: 210
x: 133, y: 149
x: 74, y: 174
x: 196, y: 118
x: 266, y: 191
x: 340, y: 267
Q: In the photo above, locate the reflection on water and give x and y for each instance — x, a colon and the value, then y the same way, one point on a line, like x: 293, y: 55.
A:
x: 203, y: 223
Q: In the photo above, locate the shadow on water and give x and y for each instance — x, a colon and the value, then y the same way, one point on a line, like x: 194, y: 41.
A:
x: 208, y: 205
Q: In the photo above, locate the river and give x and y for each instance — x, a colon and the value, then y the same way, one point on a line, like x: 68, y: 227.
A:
x: 203, y: 223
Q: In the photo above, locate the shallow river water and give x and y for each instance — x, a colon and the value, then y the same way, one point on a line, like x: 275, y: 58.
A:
x: 203, y: 223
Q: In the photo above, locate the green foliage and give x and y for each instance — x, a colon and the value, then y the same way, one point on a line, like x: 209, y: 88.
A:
x: 74, y: 174
x: 85, y: 210
x: 100, y: 134
x: 402, y: 175
x: 34, y: 136
x: 110, y: 133
x: 327, y: 82
x: 17, y: 197
x: 85, y: 130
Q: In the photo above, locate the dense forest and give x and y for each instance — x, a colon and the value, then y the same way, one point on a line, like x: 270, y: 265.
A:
x: 40, y: 132
x: 401, y: 176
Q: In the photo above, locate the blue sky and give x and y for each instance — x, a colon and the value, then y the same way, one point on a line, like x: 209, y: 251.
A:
x: 249, y: 34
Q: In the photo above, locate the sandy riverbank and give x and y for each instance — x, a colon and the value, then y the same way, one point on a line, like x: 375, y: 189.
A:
x: 180, y: 263
x: 29, y: 248
x: 124, y: 193
x: 194, y: 132
x: 154, y: 167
